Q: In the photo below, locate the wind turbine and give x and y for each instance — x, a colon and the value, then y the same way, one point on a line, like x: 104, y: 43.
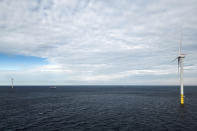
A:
x: 12, y: 80
x: 180, y: 71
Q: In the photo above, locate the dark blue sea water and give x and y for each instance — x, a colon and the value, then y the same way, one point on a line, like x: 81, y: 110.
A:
x: 97, y: 108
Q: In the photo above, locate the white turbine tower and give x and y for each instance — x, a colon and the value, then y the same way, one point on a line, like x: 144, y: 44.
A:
x: 180, y: 70
x: 12, y: 80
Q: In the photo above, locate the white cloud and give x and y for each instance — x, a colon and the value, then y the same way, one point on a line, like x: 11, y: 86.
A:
x: 98, y: 40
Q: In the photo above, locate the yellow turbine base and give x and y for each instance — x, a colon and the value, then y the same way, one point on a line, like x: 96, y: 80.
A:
x: 182, y: 99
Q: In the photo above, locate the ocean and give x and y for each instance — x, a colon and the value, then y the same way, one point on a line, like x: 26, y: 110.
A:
x: 97, y: 108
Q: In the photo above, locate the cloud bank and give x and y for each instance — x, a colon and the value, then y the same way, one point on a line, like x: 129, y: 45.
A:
x: 99, y: 41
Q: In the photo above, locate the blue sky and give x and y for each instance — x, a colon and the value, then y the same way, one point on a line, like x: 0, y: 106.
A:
x: 61, y: 42
x: 16, y: 62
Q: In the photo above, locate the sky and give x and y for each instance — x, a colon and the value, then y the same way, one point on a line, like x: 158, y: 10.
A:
x: 98, y: 42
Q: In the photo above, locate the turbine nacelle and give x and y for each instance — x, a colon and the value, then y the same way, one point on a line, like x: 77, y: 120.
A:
x: 181, y: 56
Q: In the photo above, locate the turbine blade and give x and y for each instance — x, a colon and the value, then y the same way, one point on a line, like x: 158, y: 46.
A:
x: 178, y: 65
x: 180, y: 44
x: 174, y: 60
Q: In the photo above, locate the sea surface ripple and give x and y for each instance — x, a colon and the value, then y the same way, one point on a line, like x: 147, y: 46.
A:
x: 97, y: 108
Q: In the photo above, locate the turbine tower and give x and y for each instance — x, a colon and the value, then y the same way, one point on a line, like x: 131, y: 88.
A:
x: 12, y: 80
x: 180, y: 70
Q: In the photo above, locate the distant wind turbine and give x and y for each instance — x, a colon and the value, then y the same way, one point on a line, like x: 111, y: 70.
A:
x: 12, y: 80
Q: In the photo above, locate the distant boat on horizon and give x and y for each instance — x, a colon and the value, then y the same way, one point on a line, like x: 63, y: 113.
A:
x: 52, y: 87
